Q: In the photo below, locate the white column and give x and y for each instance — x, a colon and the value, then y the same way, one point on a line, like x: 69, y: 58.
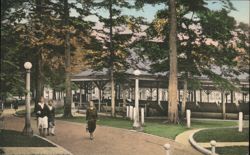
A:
x: 167, y: 148
x: 142, y: 116
x: 136, y: 124
x: 80, y: 102
x: 127, y: 111
x: 134, y: 116
x: 188, y: 114
x: 131, y: 111
x: 240, y: 121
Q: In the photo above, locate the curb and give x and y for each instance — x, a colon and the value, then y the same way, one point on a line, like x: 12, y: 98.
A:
x: 197, y: 146
x: 200, y: 148
x: 66, y: 151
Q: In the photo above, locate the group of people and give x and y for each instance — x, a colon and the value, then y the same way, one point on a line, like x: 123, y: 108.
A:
x: 46, y: 118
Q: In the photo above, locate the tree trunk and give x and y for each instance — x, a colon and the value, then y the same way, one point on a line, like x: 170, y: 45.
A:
x: 67, y: 103
x: 39, y: 79
x: 184, y: 99
x: 54, y: 94
x: 111, y: 61
x: 173, y: 84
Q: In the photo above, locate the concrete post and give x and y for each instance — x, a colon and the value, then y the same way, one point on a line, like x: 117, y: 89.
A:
x: 167, y: 149
x: 80, y: 102
x: 142, y: 116
x: 127, y: 111
x: 240, y: 121
x: 188, y: 114
x: 136, y: 124
x: 131, y: 110
x: 213, y: 144
x: 134, y: 116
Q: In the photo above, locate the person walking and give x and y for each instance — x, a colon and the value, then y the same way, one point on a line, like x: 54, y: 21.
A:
x: 91, y: 117
x: 51, y: 119
x: 42, y: 117
x: 16, y: 105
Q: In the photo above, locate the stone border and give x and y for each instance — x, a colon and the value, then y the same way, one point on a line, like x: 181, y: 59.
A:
x: 58, y: 146
x: 200, y: 148
x: 197, y: 146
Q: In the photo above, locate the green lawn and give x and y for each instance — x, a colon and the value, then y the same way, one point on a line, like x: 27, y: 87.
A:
x: 154, y: 127
x: 222, y: 135
x: 232, y: 150
x: 23, y: 112
x: 10, y: 138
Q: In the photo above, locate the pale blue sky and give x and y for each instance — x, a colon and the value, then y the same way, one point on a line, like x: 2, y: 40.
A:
x: 241, y: 14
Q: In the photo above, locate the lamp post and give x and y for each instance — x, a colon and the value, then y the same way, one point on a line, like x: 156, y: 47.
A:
x: 136, y: 124
x: 27, y: 128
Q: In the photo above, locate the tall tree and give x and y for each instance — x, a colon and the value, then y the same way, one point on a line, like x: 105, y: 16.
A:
x: 67, y: 103
x: 173, y: 83
x: 200, y: 42
x: 116, y: 34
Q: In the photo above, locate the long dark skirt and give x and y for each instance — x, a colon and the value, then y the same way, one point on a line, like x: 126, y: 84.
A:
x: 91, y: 125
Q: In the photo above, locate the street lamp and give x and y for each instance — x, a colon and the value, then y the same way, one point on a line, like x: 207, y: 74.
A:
x: 27, y: 128
x: 136, y: 124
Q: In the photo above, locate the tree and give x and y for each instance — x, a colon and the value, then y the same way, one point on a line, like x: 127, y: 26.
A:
x: 11, y: 72
x: 114, y: 51
x: 203, y: 36
x: 173, y: 83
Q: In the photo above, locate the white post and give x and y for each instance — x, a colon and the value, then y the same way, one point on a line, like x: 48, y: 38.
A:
x: 213, y: 144
x: 142, y: 116
x: 134, y: 116
x: 80, y: 102
x: 131, y: 109
x: 11, y: 106
x: 240, y: 121
x: 188, y: 114
x: 127, y: 114
x: 167, y: 148
x: 136, y: 124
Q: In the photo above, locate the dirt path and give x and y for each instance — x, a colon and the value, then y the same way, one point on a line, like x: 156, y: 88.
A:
x: 107, y: 141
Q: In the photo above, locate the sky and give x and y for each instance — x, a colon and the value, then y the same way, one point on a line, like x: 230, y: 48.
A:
x: 241, y: 14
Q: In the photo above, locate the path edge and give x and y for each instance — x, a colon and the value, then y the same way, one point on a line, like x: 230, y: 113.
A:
x: 59, y: 146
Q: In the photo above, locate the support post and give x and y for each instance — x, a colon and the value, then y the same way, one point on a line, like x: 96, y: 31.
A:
x: 188, y: 114
x: 142, y: 116
x: 131, y: 110
x: 240, y: 121
x: 127, y: 107
x: 134, y: 112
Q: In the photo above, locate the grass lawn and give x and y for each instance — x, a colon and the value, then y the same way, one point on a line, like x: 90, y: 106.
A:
x: 222, y: 135
x: 232, y: 150
x: 154, y: 127
x: 23, y: 112
x: 11, y: 138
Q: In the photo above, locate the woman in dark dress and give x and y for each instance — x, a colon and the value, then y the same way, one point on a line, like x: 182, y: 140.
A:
x: 91, y: 117
x: 51, y: 119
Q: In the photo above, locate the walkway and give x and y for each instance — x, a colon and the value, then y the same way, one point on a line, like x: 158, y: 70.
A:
x: 108, y: 140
